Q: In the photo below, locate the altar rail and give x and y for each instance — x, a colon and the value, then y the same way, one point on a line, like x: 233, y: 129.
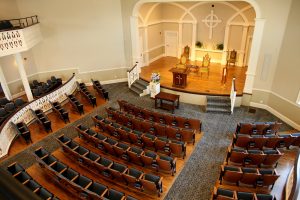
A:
x: 8, y: 133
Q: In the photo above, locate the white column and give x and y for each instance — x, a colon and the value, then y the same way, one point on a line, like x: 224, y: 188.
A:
x: 226, y: 38
x: 4, y: 85
x: 254, y: 54
x: 179, y: 39
x: 23, y: 75
x: 243, y: 45
x: 134, y: 39
x: 146, y: 47
x: 193, y: 49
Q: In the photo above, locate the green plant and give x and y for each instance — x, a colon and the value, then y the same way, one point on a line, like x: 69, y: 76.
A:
x: 199, y: 44
x: 220, y: 46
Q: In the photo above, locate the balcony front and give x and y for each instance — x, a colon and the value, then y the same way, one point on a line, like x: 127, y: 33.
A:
x: 18, y: 35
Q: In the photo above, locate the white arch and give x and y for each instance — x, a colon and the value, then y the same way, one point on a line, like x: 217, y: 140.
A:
x: 141, y: 18
x: 150, y: 12
x: 239, y: 13
x: 137, y: 6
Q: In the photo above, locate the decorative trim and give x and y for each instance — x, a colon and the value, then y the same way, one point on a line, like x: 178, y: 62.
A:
x: 277, y: 114
x: 114, y: 68
x: 283, y: 98
x: 18, y: 94
x: 156, y: 58
x: 153, y: 48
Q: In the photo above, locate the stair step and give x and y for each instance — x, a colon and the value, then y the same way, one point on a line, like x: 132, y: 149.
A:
x: 140, y: 87
x: 142, y: 82
x: 218, y: 104
x: 217, y: 99
x: 136, y: 90
x: 218, y: 110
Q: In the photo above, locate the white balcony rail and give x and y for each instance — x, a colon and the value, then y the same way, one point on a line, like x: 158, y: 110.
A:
x: 133, y: 75
x: 232, y: 95
x: 19, y: 38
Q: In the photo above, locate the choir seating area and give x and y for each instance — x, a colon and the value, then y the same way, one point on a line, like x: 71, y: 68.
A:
x: 249, y: 170
x: 7, y: 107
x: 41, y: 88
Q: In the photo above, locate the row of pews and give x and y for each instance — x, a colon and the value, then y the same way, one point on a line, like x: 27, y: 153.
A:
x: 251, y: 161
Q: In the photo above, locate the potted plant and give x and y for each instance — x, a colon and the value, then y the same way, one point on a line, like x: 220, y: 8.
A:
x: 220, y: 46
x: 199, y: 44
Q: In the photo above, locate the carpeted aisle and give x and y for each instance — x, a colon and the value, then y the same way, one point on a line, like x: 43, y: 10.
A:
x: 202, y: 169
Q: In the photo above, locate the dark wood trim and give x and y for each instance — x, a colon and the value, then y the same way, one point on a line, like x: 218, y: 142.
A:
x: 132, y: 68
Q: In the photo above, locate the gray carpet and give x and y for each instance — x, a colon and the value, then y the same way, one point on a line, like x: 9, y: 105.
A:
x: 202, y: 169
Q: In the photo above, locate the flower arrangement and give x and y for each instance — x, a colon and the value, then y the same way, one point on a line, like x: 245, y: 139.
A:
x: 155, y: 77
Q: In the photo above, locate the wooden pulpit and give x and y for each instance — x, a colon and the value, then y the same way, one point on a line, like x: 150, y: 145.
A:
x: 179, y: 77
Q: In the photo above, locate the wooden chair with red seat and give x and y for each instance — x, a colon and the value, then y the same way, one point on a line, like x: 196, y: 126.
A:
x: 231, y: 57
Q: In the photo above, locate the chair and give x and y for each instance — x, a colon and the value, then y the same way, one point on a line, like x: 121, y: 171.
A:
x: 231, y: 174
x: 245, y: 128
x: 269, y: 177
x: 167, y: 163
x: 177, y: 148
x: 134, y: 155
x: 19, y: 102
x: 265, y: 197
x: 10, y: 107
x: 162, y: 144
x: 153, y: 183
x: 117, y: 170
x: 114, y: 195
x: 98, y: 189
x: 231, y: 57
x: 149, y: 159
x: 4, y: 101
x: 236, y: 155
x: 182, y: 62
x: 272, y: 157
x: 220, y: 193
x: 132, y: 177
x: 250, y: 176
x: 245, y: 195
x: 205, y: 65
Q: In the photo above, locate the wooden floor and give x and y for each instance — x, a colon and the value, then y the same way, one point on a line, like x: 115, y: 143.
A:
x: 208, y: 85
x: 41, y: 177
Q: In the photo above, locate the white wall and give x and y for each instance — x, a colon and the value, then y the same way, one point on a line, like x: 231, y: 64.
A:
x: 8, y: 9
x: 86, y: 34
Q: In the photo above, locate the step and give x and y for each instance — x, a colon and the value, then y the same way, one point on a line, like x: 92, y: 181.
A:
x: 136, y: 90
x: 218, y: 99
x: 218, y: 110
x: 218, y: 104
x: 142, y: 82
x: 141, y: 87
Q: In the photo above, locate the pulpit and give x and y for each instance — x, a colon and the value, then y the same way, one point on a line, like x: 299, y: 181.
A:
x: 179, y: 77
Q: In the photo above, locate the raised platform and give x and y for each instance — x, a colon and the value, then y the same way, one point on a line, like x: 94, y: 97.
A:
x: 205, y: 85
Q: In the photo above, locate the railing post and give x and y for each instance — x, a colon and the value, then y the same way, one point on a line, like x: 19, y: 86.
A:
x: 232, y: 95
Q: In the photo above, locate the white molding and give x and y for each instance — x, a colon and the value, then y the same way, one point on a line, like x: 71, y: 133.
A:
x: 18, y: 95
x: 156, y: 58
x: 114, y: 68
x: 153, y: 48
x: 277, y: 114
x: 279, y: 96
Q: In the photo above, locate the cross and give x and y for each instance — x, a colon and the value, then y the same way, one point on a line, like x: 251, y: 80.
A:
x: 179, y: 78
x: 211, y: 21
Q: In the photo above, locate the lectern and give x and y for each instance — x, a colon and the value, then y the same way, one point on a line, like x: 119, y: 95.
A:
x: 179, y: 77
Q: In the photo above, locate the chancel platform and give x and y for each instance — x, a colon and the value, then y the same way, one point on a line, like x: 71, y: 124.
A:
x: 206, y: 84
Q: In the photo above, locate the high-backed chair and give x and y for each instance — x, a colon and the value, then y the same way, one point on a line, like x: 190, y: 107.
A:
x: 231, y: 57
x: 230, y: 174
x: 205, y: 65
x: 223, y: 194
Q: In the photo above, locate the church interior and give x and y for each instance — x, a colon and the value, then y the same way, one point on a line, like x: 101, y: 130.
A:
x: 149, y: 99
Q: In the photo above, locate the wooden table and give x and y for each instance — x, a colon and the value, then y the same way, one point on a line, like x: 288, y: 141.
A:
x: 172, y: 98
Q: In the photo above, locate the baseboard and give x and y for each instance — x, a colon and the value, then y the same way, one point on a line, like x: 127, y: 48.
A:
x: 18, y: 94
x: 277, y: 114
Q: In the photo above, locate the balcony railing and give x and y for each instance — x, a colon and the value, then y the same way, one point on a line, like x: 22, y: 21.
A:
x: 22, y: 35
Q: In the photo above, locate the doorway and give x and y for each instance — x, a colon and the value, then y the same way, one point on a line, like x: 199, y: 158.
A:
x: 171, y: 43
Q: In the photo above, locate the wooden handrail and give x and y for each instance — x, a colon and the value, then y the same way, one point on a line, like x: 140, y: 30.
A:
x: 295, y: 192
x: 132, y: 68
